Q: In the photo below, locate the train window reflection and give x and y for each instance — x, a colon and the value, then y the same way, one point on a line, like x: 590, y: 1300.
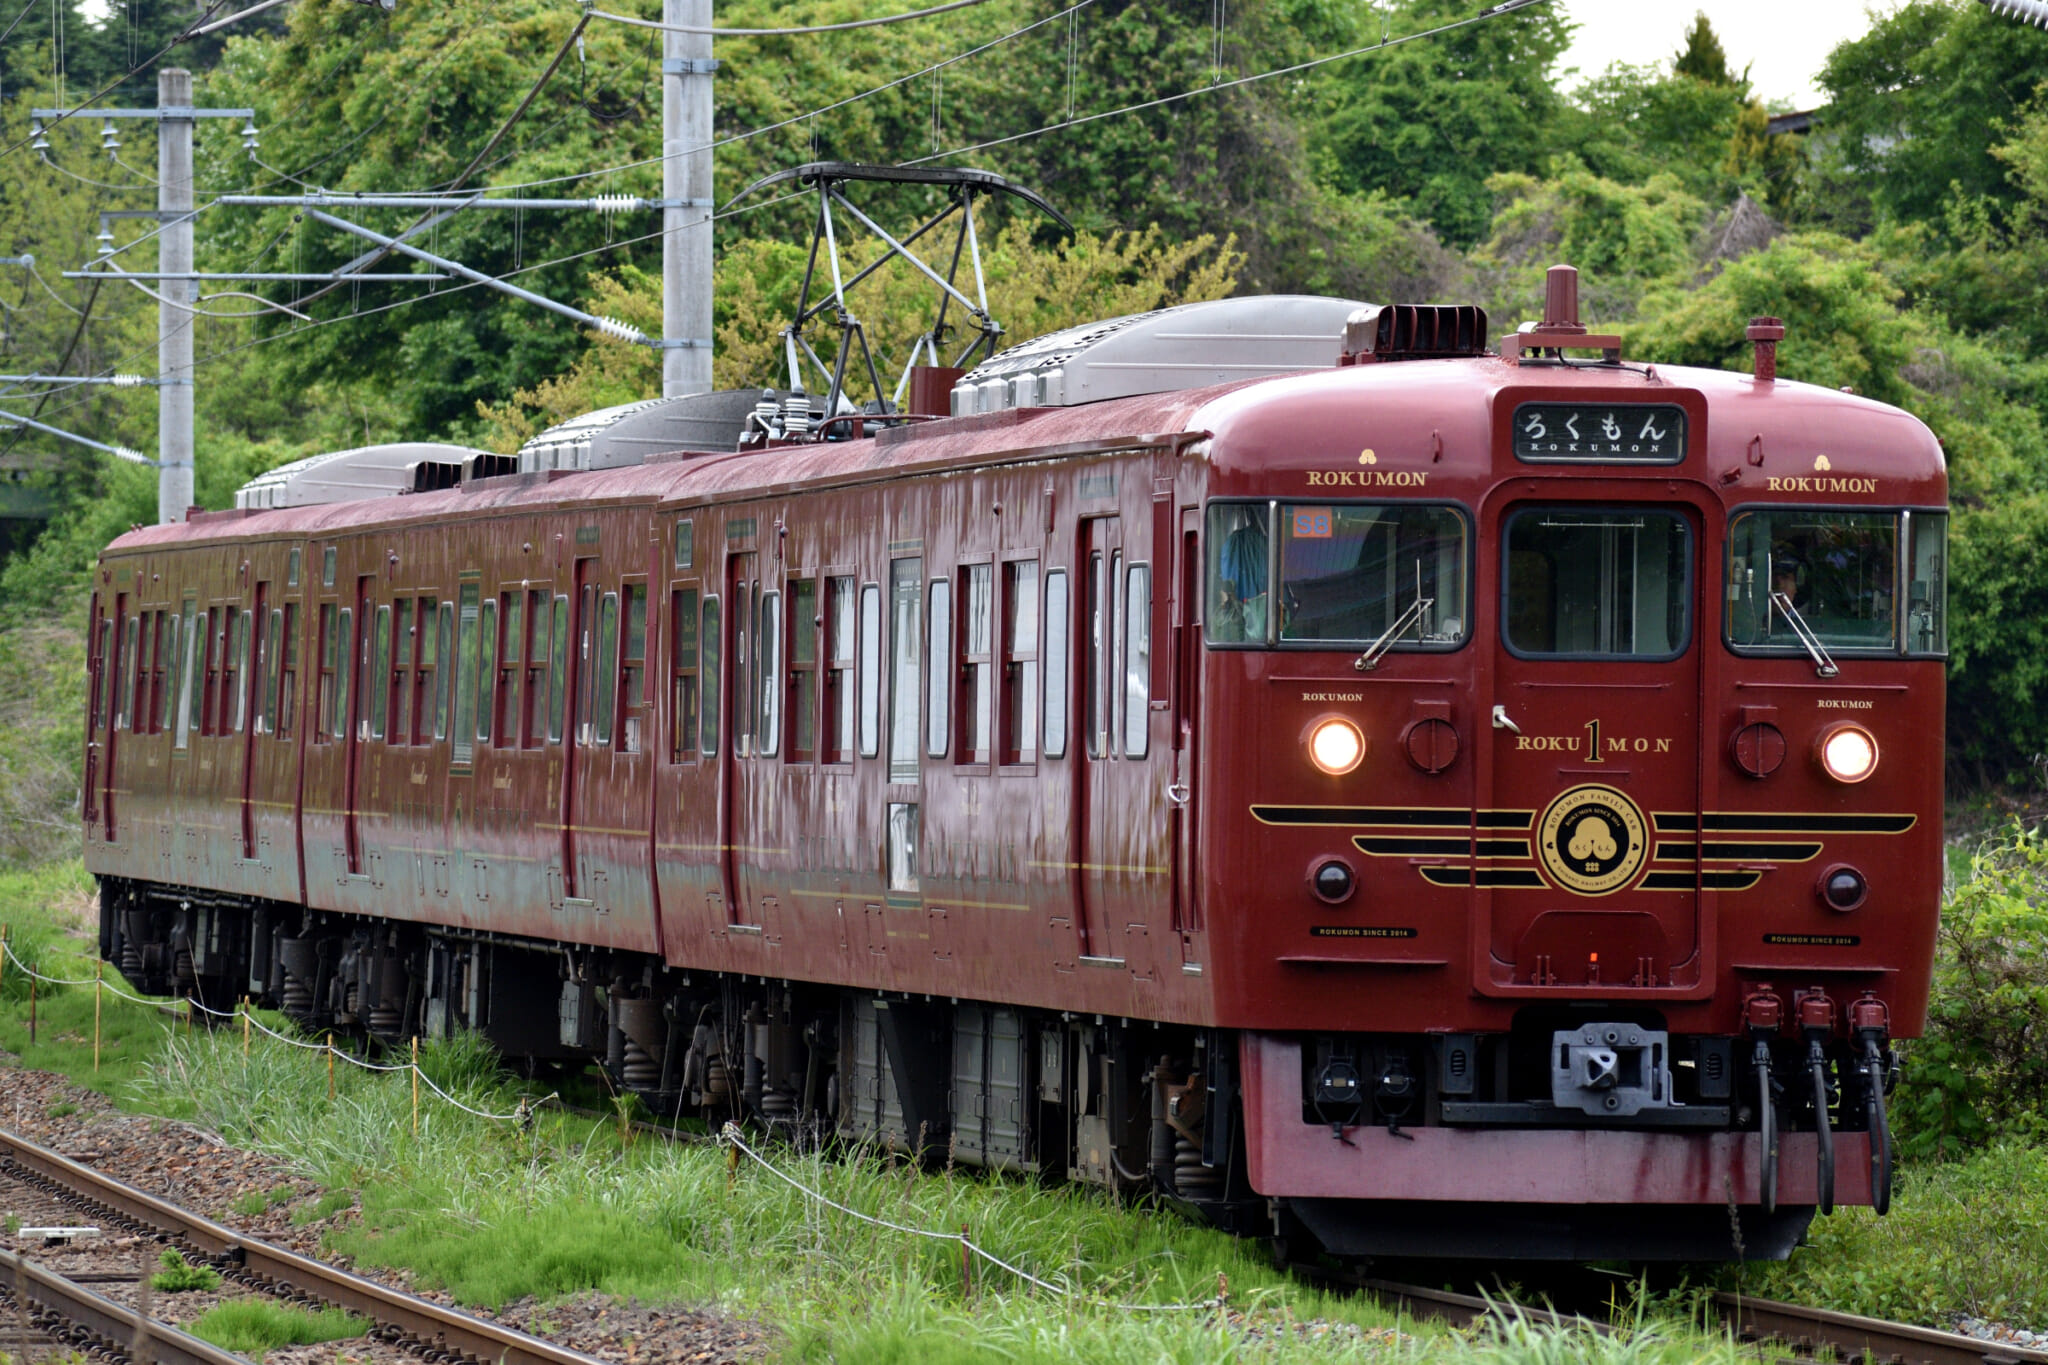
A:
x: 938, y: 666
x: 558, y: 668
x: 1059, y: 626
x: 1349, y: 574
x: 1593, y: 583
x: 1837, y: 570
x: 870, y: 670
x: 1239, y: 560
x: 710, y: 675
x: 1137, y: 657
x: 768, y: 646
x: 1927, y: 585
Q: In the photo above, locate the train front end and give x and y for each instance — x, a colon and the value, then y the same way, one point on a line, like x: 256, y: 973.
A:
x: 1571, y: 781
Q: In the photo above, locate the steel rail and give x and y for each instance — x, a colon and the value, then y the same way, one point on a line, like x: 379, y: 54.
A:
x: 112, y: 1329
x: 428, y: 1326
x: 1856, y: 1338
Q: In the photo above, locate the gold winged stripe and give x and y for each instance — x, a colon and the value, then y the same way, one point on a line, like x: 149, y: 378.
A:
x: 1724, y: 850
x: 1780, y: 822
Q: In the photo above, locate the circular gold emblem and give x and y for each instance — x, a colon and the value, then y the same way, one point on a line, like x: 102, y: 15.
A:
x: 1591, y: 840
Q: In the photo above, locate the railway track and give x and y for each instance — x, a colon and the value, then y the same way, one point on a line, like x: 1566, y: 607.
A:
x: 443, y: 1336
x: 45, y: 1308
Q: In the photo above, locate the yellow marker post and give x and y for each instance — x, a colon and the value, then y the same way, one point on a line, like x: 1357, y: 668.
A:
x: 415, y: 1085
x: 98, y: 978
x: 330, y: 1064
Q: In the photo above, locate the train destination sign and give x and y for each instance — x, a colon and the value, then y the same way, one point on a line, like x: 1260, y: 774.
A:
x: 1600, y: 433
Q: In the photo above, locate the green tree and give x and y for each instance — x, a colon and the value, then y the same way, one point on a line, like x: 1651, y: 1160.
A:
x: 1702, y: 58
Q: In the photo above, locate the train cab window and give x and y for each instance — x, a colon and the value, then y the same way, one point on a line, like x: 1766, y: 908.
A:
x: 379, y: 669
x: 682, y: 636
x: 803, y: 669
x: 1240, y: 555
x: 1597, y: 583
x: 288, y: 673
x: 977, y: 663
x: 768, y: 676
x: 905, y: 642
x: 633, y: 668
x: 1059, y: 627
x: 1017, y: 719
x: 1927, y: 583
x: 1137, y: 659
x: 486, y: 668
x: 938, y: 670
x: 1832, y: 572
x: 710, y: 676
x: 1350, y: 573
x: 870, y: 670
x: 840, y: 635
x: 558, y: 668
x: 461, y: 674
x: 403, y: 638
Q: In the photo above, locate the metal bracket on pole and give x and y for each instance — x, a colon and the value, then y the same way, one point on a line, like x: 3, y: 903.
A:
x: 830, y: 178
x: 680, y: 343
x: 689, y: 66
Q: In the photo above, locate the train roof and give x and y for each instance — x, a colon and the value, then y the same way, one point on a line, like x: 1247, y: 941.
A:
x: 1434, y: 411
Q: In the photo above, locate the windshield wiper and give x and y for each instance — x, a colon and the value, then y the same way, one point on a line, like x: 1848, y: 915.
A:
x: 1823, y: 663
x: 1370, y: 660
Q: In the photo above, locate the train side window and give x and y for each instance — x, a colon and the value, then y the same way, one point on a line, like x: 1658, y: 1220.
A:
x: 327, y: 566
x: 127, y: 716
x: 803, y: 669
x: 323, y: 699
x: 633, y: 668
x: 605, y: 681
x: 244, y: 643
x: 840, y: 635
x: 291, y: 572
x: 444, y: 643
x: 537, y: 654
x: 403, y: 636
x: 1017, y: 719
x: 977, y: 662
x: 1927, y: 584
x: 512, y: 628
x: 682, y: 637
x: 273, y: 663
x: 870, y: 670
x: 558, y: 668
x: 905, y: 642
x: 585, y: 632
x: 168, y: 672
x: 380, y: 669
x: 739, y: 629
x: 1099, y: 640
x: 902, y: 846
x: 686, y: 542
x: 1059, y: 684
x: 768, y: 646
x: 938, y: 669
x: 1242, y: 560
x: 206, y: 670
x: 710, y: 675
x: 339, y: 717
x: 486, y: 668
x: 192, y: 683
x: 288, y: 673
x: 1137, y: 659
x: 462, y: 729
x: 431, y: 658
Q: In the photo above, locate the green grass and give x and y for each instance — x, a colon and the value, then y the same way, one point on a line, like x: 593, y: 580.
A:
x: 1963, y: 1237
x: 250, y: 1203
x: 252, y: 1327
x: 180, y: 1276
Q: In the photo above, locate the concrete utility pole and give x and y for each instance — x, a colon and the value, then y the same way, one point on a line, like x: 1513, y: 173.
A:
x: 686, y: 67
x: 174, y: 324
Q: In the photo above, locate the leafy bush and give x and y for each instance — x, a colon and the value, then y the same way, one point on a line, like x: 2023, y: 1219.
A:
x: 1981, y: 1071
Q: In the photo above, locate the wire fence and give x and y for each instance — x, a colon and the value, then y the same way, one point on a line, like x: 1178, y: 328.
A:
x: 730, y: 1137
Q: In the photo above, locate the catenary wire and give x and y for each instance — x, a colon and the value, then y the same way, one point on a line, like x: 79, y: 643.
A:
x: 129, y: 74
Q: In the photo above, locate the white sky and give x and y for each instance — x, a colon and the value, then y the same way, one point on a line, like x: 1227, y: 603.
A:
x: 1783, y: 42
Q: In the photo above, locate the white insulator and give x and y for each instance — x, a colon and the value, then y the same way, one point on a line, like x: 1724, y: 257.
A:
x: 2033, y: 12
x: 616, y: 203
x: 130, y: 454
x: 127, y: 381
x: 620, y: 331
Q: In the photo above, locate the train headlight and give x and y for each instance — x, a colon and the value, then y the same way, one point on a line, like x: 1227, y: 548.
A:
x: 1848, y: 753
x: 1335, y: 745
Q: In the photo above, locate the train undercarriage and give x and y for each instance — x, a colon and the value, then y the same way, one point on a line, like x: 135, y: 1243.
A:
x: 1132, y: 1106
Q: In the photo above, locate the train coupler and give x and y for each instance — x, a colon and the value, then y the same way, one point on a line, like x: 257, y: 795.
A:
x: 1870, y: 1029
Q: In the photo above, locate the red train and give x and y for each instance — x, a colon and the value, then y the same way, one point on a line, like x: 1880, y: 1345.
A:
x: 1372, y: 790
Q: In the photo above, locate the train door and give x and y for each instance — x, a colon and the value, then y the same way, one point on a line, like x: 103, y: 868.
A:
x: 1588, y: 874
x: 582, y: 674
x: 249, y: 707
x: 100, y: 676
x: 1183, y: 790
x: 1099, y: 858
x: 738, y: 813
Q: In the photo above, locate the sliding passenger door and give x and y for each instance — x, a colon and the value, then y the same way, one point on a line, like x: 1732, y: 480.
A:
x: 1099, y: 859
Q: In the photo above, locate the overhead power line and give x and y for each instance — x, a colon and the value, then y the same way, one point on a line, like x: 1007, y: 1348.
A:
x: 785, y: 32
